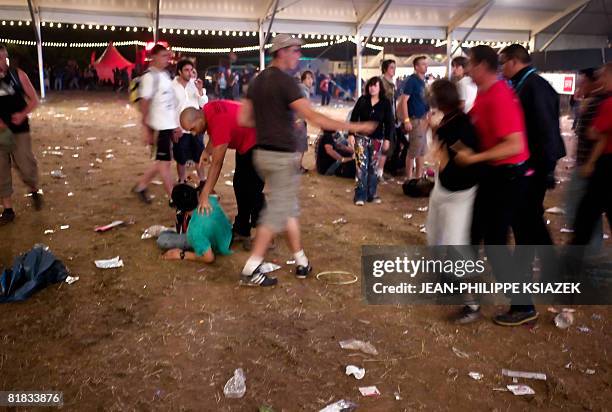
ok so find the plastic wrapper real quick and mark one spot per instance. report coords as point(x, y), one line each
point(236, 385)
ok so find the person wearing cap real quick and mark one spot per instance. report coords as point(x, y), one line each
point(199, 236)
point(273, 99)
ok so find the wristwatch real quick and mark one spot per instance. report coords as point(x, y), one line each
point(182, 255)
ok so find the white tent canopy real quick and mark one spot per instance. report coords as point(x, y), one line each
point(586, 23)
point(507, 20)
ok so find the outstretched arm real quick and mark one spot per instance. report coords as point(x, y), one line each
point(218, 156)
point(303, 108)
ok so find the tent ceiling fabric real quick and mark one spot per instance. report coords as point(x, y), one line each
point(506, 20)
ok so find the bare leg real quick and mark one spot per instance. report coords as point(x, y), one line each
point(147, 177)
point(409, 166)
point(180, 170)
point(165, 170)
point(420, 166)
point(293, 235)
point(263, 238)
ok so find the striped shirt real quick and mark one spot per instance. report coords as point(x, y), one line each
point(585, 119)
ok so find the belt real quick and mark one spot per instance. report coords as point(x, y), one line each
point(273, 148)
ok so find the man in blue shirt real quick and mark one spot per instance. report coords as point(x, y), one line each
point(413, 111)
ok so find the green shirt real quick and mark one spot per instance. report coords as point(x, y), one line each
point(210, 231)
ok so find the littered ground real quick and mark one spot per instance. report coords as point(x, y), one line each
point(159, 335)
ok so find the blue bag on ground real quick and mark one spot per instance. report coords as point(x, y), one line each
point(31, 272)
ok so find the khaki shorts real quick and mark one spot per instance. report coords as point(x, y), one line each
point(417, 141)
point(280, 171)
point(22, 159)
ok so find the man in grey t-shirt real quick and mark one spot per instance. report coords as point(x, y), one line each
point(272, 101)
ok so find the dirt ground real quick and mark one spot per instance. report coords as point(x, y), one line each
point(157, 335)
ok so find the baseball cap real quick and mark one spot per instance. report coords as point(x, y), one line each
point(282, 41)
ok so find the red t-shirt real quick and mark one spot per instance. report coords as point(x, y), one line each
point(222, 126)
point(497, 113)
point(603, 122)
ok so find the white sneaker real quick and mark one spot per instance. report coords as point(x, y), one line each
point(377, 200)
point(359, 203)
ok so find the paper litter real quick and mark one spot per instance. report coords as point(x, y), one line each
point(524, 375)
point(340, 406)
point(356, 371)
point(475, 375)
point(109, 226)
point(369, 391)
point(354, 344)
point(115, 262)
point(520, 390)
point(460, 353)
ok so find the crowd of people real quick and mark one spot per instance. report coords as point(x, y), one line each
point(496, 141)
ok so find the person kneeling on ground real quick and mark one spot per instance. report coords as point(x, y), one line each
point(199, 236)
point(334, 157)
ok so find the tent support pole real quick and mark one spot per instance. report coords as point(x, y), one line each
point(34, 14)
point(449, 53)
point(382, 13)
point(562, 29)
point(269, 32)
point(156, 28)
point(484, 12)
point(359, 63)
point(262, 43)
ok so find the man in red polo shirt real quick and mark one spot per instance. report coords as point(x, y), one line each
point(598, 196)
point(220, 119)
point(499, 121)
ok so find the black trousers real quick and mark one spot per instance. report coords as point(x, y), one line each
point(499, 200)
point(248, 188)
point(529, 225)
point(596, 200)
point(531, 234)
point(325, 98)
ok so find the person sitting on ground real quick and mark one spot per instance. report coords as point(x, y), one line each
point(199, 236)
point(334, 157)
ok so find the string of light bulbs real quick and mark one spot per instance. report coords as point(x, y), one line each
point(234, 33)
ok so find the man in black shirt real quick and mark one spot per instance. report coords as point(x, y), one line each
point(334, 158)
point(540, 103)
point(272, 100)
point(17, 99)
